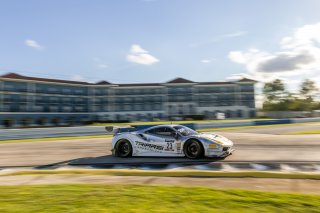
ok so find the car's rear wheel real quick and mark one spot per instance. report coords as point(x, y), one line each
point(123, 148)
point(193, 149)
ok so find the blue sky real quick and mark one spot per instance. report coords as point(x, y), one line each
point(125, 41)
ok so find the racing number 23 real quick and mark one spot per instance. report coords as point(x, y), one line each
point(169, 146)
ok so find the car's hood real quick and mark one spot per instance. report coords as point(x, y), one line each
point(216, 138)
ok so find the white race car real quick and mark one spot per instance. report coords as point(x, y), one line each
point(168, 141)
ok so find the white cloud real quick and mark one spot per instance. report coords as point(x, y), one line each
point(206, 61)
point(298, 55)
point(34, 44)
point(140, 56)
point(298, 58)
point(235, 34)
point(137, 49)
point(307, 35)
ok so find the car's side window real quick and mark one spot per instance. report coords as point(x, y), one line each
point(169, 131)
point(152, 131)
point(161, 131)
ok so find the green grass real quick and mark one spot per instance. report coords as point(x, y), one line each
point(138, 198)
point(256, 127)
point(305, 132)
point(54, 139)
point(166, 173)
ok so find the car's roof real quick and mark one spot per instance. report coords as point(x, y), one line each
point(161, 125)
point(167, 125)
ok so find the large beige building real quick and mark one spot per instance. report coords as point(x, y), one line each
point(35, 101)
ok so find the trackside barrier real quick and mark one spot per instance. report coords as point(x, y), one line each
point(222, 124)
point(254, 123)
point(272, 122)
point(302, 120)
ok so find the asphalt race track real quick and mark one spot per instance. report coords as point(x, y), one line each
point(250, 147)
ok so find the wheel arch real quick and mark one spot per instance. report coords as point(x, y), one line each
point(195, 139)
point(119, 139)
point(122, 139)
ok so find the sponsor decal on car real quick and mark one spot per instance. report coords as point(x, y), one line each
point(169, 147)
point(148, 146)
point(178, 146)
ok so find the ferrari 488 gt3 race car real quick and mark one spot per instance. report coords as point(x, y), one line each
point(168, 141)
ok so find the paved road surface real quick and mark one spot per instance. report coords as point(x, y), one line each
point(249, 147)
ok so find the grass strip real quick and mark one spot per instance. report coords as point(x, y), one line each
point(139, 198)
point(258, 127)
point(305, 132)
point(54, 138)
point(166, 173)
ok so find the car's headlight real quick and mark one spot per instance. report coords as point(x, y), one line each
point(213, 146)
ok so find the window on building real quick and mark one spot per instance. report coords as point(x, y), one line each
point(127, 107)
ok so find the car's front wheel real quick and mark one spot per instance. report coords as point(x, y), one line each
point(123, 148)
point(193, 149)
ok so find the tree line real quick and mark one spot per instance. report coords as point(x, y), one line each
point(278, 98)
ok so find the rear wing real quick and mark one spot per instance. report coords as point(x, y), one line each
point(139, 127)
point(117, 129)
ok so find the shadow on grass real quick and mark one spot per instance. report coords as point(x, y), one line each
point(109, 161)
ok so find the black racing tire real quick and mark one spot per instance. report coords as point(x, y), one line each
point(123, 148)
point(193, 149)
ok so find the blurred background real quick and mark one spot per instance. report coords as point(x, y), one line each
point(248, 70)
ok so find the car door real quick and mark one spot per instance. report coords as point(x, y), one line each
point(163, 139)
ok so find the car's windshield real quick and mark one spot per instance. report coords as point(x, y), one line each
point(185, 131)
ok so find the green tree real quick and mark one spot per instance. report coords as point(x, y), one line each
point(278, 99)
point(274, 91)
point(308, 89)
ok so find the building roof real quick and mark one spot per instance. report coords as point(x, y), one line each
point(179, 81)
point(174, 81)
point(242, 80)
point(22, 77)
point(246, 80)
point(215, 83)
point(139, 84)
point(103, 83)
